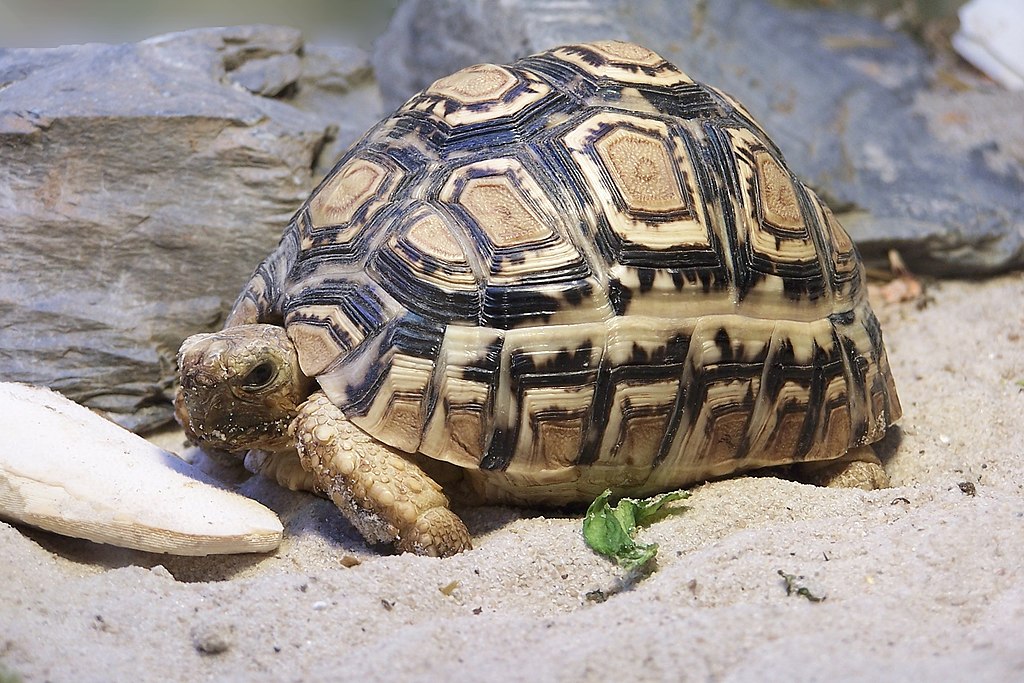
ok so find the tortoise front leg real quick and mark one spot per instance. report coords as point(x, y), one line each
point(384, 495)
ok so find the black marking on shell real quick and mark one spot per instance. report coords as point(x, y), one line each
point(508, 307)
point(410, 334)
point(420, 126)
point(646, 277)
point(578, 291)
point(395, 274)
point(724, 345)
point(720, 158)
point(410, 157)
point(600, 410)
point(873, 328)
point(529, 369)
point(485, 365)
point(820, 374)
point(357, 301)
point(734, 350)
point(706, 280)
point(666, 361)
point(858, 364)
point(266, 286)
point(596, 60)
point(688, 101)
point(561, 76)
point(564, 361)
point(499, 450)
point(803, 288)
point(843, 318)
point(620, 295)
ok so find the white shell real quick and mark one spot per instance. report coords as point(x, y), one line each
point(65, 469)
point(991, 37)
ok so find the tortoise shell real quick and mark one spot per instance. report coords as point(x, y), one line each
point(579, 271)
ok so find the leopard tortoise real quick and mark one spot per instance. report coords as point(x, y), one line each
point(534, 282)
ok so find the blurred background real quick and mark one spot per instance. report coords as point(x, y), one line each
point(45, 23)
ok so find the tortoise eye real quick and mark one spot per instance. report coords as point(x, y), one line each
point(259, 377)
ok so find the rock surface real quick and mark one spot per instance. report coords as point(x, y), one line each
point(835, 91)
point(133, 171)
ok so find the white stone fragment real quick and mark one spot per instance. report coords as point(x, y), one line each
point(991, 37)
point(67, 470)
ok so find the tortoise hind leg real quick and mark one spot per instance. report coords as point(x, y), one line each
point(859, 468)
point(384, 495)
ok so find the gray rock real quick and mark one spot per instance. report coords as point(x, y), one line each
point(835, 91)
point(337, 84)
point(140, 185)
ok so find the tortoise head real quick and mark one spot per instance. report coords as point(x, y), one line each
point(240, 388)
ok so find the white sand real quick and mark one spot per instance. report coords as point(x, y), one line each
point(923, 582)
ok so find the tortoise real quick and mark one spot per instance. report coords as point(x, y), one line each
point(531, 283)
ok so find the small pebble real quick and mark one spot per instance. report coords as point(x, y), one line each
point(211, 639)
point(320, 605)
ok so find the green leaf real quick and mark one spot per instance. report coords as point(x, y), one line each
point(609, 530)
point(653, 509)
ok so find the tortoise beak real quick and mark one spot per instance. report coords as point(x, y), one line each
point(199, 403)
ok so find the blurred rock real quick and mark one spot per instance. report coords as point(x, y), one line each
point(337, 85)
point(140, 185)
point(835, 91)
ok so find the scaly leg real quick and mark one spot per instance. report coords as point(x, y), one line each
point(284, 468)
point(860, 468)
point(384, 495)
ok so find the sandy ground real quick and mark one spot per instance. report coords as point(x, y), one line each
point(922, 581)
